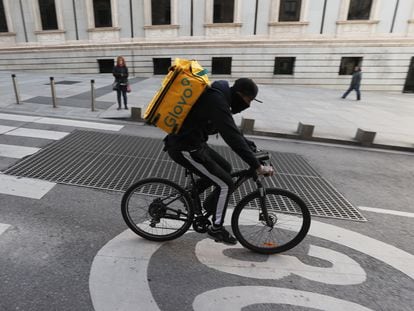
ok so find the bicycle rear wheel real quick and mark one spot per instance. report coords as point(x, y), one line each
point(288, 213)
point(157, 209)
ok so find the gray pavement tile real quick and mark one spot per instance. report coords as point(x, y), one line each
point(390, 114)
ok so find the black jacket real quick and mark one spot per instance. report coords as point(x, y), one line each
point(356, 79)
point(121, 74)
point(212, 113)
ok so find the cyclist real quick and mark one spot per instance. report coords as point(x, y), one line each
point(212, 114)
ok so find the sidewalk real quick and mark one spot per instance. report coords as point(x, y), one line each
point(390, 115)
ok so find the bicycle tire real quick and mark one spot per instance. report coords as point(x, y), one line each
point(291, 216)
point(166, 209)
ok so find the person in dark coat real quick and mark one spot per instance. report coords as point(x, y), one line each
point(120, 72)
point(212, 113)
point(355, 83)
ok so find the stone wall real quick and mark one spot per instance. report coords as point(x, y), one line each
point(318, 41)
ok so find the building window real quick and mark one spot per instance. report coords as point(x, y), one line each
point(106, 65)
point(284, 65)
point(3, 21)
point(221, 66)
point(409, 82)
point(102, 13)
point(161, 65)
point(161, 12)
point(223, 11)
point(348, 64)
point(48, 14)
point(289, 10)
point(359, 9)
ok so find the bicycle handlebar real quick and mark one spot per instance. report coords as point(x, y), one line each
point(262, 156)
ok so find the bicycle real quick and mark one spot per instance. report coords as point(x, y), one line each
point(267, 220)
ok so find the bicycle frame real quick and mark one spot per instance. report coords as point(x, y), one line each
point(175, 202)
point(242, 176)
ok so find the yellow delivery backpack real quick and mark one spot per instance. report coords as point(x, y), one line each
point(180, 89)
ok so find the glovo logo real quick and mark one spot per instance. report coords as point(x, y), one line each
point(179, 108)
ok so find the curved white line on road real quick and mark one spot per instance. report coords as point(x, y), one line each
point(344, 270)
point(118, 278)
point(391, 255)
point(238, 297)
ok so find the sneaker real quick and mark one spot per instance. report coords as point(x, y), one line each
point(221, 235)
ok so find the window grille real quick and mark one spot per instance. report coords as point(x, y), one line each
point(284, 65)
point(348, 64)
point(48, 14)
point(289, 10)
point(102, 13)
point(221, 65)
point(359, 9)
point(161, 12)
point(223, 11)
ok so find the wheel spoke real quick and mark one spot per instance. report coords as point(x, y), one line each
point(286, 211)
point(157, 209)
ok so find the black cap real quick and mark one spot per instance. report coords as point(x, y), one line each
point(247, 87)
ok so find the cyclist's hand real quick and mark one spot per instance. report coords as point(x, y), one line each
point(265, 170)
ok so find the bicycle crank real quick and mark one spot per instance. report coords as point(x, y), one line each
point(200, 224)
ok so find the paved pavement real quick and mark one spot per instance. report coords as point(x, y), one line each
point(67, 248)
point(389, 114)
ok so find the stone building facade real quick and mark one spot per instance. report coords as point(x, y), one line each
point(295, 42)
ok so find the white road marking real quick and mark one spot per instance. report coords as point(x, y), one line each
point(17, 152)
point(66, 122)
point(118, 278)
point(119, 281)
point(26, 132)
point(343, 271)
point(24, 187)
point(85, 124)
point(5, 129)
point(238, 297)
point(3, 227)
point(386, 211)
point(17, 117)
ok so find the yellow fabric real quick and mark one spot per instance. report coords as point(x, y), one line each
point(180, 89)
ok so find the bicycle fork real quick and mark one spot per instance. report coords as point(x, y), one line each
point(264, 215)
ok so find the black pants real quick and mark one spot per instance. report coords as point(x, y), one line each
point(356, 88)
point(207, 163)
point(122, 90)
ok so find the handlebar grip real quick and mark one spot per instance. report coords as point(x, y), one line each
point(262, 155)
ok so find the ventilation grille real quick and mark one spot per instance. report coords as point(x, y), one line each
point(115, 161)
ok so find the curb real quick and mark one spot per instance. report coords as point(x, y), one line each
point(329, 141)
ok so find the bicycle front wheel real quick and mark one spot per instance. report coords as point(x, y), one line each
point(157, 209)
point(290, 221)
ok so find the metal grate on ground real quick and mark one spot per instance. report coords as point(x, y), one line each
point(115, 161)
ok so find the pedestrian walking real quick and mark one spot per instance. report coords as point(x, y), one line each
point(120, 73)
point(355, 83)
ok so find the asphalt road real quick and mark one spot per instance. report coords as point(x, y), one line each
point(70, 250)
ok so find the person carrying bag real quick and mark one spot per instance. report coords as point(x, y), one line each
point(120, 72)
